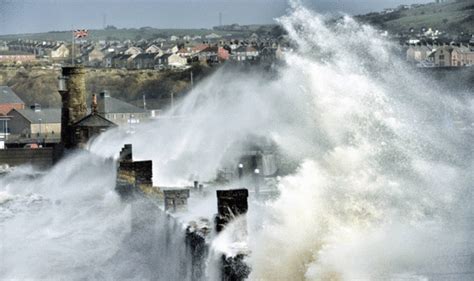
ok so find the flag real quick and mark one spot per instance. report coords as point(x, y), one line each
point(81, 33)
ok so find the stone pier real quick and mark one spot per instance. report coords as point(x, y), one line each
point(134, 184)
point(232, 204)
point(176, 200)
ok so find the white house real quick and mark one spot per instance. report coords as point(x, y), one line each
point(153, 49)
point(60, 52)
point(133, 51)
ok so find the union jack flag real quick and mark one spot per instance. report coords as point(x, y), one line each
point(81, 33)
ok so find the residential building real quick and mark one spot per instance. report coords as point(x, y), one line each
point(96, 56)
point(176, 61)
point(16, 57)
point(9, 100)
point(418, 53)
point(153, 49)
point(60, 52)
point(245, 53)
point(36, 122)
point(144, 61)
point(213, 54)
point(441, 56)
point(170, 49)
point(171, 61)
point(91, 125)
point(133, 51)
point(463, 56)
point(120, 112)
point(212, 36)
point(121, 61)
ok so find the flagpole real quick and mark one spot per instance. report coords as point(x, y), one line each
point(73, 47)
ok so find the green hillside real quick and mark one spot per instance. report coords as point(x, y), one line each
point(452, 17)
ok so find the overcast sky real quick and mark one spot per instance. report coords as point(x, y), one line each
point(28, 16)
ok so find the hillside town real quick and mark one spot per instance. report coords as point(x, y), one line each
point(159, 54)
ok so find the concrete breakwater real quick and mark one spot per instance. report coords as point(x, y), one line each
point(157, 228)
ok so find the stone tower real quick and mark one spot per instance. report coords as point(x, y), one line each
point(72, 88)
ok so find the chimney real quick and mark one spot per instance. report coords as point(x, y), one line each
point(36, 107)
point(72, 88)
point(94, 104)
point(101, 101)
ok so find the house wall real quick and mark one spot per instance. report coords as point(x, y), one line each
point(223, 54)
point(460, 58)
point(18, 124)
point(176, 60)
point(442, 57)
point(60, 53)
point(124, 119)
point(96, 55)
point(6, 107)
point(46, 129)
point(39, 157)
point(17, 58)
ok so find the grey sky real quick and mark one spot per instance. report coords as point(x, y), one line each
point(28, 16)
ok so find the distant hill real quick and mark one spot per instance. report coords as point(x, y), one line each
point(452, 17)
point(112, 33)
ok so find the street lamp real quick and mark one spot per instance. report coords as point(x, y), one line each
point(257, 184)
point(241, 170)
point(39, 120)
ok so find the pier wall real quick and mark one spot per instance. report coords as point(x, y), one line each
point(41, 158)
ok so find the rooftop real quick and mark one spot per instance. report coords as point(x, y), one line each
point(94, 120)
point(113, 105)
point(45, 115)
point(8, 96)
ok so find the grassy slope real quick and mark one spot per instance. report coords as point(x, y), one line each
point(452, 17)
point(37, 85)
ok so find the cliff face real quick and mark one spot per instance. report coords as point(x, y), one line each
point(37, 84)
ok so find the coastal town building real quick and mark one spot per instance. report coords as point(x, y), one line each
point(245, 53)
point(60, 52)
point(9, 100)
point(91, 125)
point(16, 57)
point(463, 56)
point(35, 122)
point(119, 112)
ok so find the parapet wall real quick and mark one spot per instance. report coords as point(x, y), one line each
point(42, 158)
point(134, 184)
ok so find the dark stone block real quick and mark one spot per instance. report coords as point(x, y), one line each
point(234, 268)
point(230, 204)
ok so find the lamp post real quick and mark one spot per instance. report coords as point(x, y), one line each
point(257, 183)
point(241, 170)
point(40, 121)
